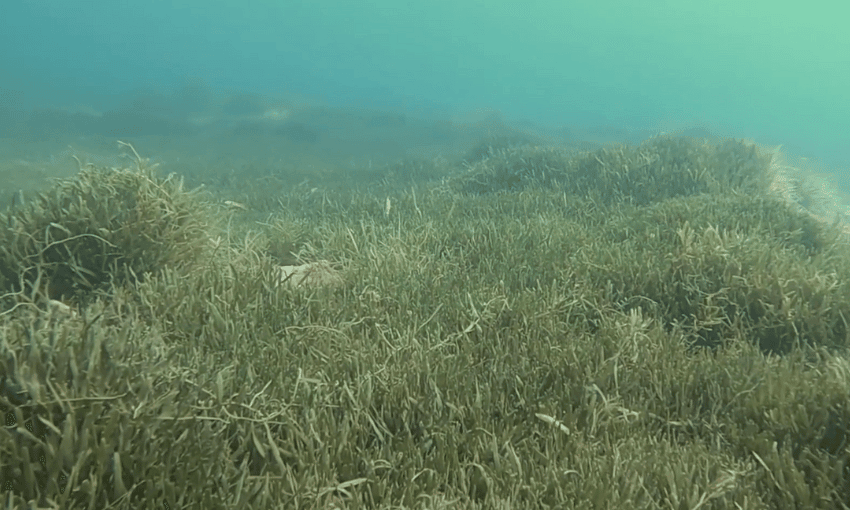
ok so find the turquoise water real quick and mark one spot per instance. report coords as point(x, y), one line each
point(777, 72)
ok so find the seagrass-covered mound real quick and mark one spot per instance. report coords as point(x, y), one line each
point(104, 225)
point(659, 168)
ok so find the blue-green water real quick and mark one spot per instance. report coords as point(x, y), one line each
point(777, 72)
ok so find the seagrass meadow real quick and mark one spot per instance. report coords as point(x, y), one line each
point(653, 326)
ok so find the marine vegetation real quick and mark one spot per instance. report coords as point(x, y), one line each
point(646, 326)
point(105, 226)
